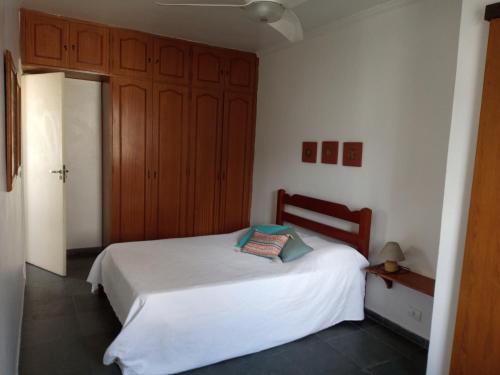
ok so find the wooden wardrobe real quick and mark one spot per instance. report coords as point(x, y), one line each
point(180, 146)
point(178, 124)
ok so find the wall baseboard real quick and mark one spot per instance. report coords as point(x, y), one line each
point(420, 341)
point(20, 329)
point(84, 252)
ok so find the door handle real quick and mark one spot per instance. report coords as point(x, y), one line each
point(62, 173)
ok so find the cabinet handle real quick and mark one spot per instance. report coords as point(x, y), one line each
point(157, 61)
point(149, 59)
point(154, 174)
point(65, 47)
point(73, 47)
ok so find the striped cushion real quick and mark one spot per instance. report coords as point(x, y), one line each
point(266, 245)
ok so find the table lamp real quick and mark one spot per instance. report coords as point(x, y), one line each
point(391, 254)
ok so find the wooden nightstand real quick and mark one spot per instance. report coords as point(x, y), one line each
point(404, 277)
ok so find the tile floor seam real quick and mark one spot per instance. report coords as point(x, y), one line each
point(394, 347)
point(344, 356)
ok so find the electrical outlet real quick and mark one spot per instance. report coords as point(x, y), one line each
point(416, 314)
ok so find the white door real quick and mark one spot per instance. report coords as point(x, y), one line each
point(42, 119)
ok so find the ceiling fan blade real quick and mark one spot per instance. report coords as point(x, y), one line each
point(289, 25)
point(200, 4)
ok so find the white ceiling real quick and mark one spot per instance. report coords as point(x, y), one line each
point(225, 27)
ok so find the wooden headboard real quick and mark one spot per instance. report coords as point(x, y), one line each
point(363, 217)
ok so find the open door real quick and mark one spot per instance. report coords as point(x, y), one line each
point(44, 171)
point(476, 348)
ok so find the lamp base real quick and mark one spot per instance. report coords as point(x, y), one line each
point(390, 266)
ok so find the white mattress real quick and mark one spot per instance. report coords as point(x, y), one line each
point(186, 303)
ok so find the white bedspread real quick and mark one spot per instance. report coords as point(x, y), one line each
point(186, 303)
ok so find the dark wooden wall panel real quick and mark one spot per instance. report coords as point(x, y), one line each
point(206, 122)
point(132, 120)
point(171, 116)
point(237, 150)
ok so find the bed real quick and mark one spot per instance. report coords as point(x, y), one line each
point(189, 302)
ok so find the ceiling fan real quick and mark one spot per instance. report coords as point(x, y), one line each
point(276, 13)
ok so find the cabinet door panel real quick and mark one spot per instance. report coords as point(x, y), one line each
point(206, 120)
point(132, 53)
point(172, 61)
point(89, 47)
point(237, 161)
point(171, 124)
point(131, 162)
point(46, 40)
point(240, 74)
point(208, 67)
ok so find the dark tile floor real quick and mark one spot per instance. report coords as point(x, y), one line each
point(66, 330)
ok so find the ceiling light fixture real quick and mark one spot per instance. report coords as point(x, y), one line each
point(265, 11)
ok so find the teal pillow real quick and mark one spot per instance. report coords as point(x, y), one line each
point(294, 248)
point(267, 229)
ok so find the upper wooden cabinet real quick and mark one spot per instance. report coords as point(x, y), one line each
point(208, 67)
point(172, 61)
point(240, 71)
point(62, 43)
point(46, 40)
point(58, 42)
point(131, 53)
point(219, 68)
point(89, 47)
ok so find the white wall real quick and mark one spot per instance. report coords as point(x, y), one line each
point(82, 145)
point(11, 216)
point(385, 78)
point(461, 151)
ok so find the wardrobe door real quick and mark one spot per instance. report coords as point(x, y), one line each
point(204, 150)
point(89, 47)
point(45, 40)
point(238, 133)
point(172, 61)
point(131, 159)
point(208, 67)
point(132, 53)
point(240, 71)
point(171, 125)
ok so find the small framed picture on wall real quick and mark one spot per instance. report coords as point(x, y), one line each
point(330, 152)
point(12, 121)
point(353, 154)
point(309, 152)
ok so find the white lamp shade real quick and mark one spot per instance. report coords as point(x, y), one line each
point(392, 252)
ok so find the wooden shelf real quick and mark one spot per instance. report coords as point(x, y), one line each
point(404, 277)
